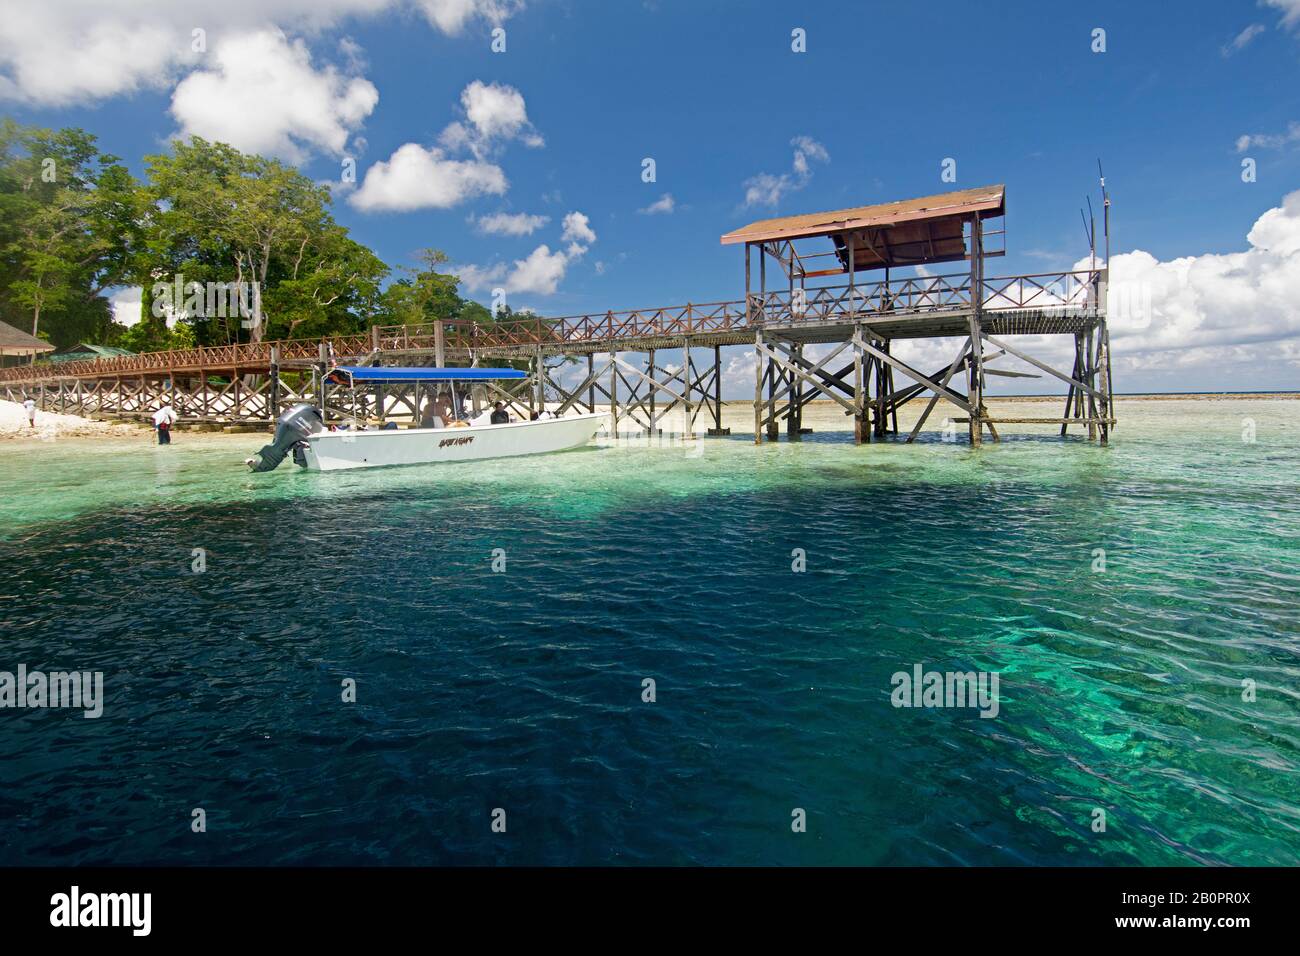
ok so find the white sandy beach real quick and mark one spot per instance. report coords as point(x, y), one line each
point(51, 425)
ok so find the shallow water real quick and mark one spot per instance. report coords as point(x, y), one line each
point(1120, 690)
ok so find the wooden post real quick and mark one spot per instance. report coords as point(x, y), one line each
point(758, 388)
point(1103, 373)
point(859, 399)
point(591, 389)
point(439, 344)
point(650, 370)
point(1108, 390)
point(975, 391)
point(882, 392)
point(322, 356)
point(537, 402)
point(792, 418)
point(749, 314)
point(717, 428)
point(686, 384)
point(613, 392)
point(1091, 381)
point(275, 382)
point(1069, 394)
point(773, 370)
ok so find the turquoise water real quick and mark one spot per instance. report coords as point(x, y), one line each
point(1120, 690)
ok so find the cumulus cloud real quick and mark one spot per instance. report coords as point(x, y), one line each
point(415, 177)
point(665, 204)
point(418, 178)
point(1196, 305)
point(509, 224)
point(542, 270)
point(766, 189)
point(262, 94)
point(577, 229)
point(494, 114)
point(450, 16)
point(59, 52)
point(1270, 140)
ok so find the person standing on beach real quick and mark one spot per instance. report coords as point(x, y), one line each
point(163, 419)
point(30, 407)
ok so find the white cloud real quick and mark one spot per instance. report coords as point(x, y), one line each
point(577, 228)
point(1242, 39)
point(1290, 11)
point(766, 189)
point(664, 204)
point(125, 304)
point(450, 16)
point(495, 114)
point(1270, 140)
point(476, 278)
point(509, 224)
point(58, 52)
point(418, 178)
point(262, 94)
point(539, 273)
point(1196, 304)
point(542, 270)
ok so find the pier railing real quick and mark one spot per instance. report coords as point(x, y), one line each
point(1047, 292)
point(1056, 291)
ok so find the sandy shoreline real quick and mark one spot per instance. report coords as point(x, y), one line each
point(14, 426)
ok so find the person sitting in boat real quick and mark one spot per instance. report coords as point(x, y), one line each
point(444, 408)
point(499, 414)
point(431, 418)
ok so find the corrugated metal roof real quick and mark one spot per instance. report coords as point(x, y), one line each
point(984, 199)
point(84, 350)
point(17, 342)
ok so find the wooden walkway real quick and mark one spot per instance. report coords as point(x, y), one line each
point(248, 382)
point(1049, 303)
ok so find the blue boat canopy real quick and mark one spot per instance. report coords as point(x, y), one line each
point(365, 373)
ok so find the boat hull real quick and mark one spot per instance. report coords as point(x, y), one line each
point(333, 451)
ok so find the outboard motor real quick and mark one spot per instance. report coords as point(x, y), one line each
point(291, 431)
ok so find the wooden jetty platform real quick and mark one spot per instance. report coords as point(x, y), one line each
point(832, 289)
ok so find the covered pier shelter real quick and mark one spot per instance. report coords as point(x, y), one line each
point(833, 281)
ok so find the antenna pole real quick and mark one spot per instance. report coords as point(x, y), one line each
point(1105, 211)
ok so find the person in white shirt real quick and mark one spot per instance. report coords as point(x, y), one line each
point(30, 406)
point(163, 419)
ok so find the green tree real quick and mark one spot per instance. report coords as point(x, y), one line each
point(69, 229)
point(222, 216)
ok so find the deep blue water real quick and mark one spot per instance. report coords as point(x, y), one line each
point(522, 690)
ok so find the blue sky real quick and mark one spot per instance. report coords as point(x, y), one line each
point(714, 94)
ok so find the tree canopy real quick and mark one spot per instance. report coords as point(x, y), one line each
point(76, 225)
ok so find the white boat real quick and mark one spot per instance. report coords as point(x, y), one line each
point(329, 451)
point(301, 431)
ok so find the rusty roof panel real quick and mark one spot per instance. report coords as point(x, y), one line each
point(986, 200)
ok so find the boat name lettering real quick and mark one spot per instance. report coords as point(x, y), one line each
point(464, 440)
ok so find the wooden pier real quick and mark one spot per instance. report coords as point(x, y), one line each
point(825, 330)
